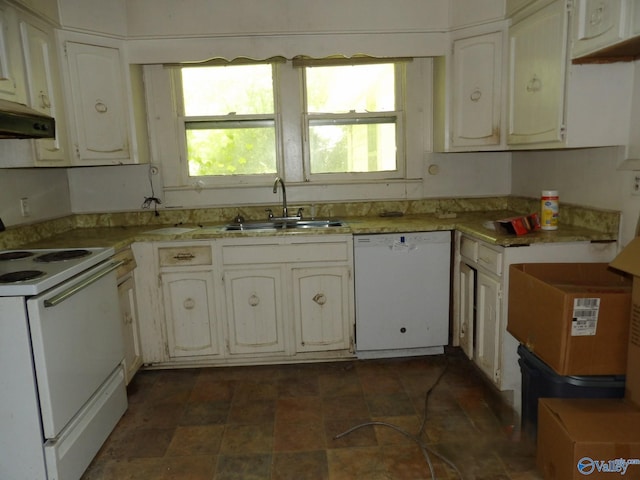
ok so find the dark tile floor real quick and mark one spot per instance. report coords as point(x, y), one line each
point(280, 422)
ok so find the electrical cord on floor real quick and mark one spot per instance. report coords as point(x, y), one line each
point(426, 451)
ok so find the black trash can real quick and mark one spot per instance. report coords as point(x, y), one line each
point(541, 381)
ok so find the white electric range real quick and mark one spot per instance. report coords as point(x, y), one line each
point(61, 358)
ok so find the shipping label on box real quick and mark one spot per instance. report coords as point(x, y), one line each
point(585, 316)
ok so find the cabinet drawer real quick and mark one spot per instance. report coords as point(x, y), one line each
point(128, 262)
point(490, 259)
point(187, 255)
point(469, 248)
point(297, 252)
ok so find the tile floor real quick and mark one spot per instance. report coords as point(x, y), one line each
point(280, 422)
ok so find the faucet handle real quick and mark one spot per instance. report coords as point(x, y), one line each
point(269, 212)
point(299, 214)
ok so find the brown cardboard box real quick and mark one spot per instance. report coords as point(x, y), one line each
point(629, 261)
point(588, 438)
point(573, 316)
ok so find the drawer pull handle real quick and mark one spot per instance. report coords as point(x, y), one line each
point(184, 256)
point(534, 85)
point(189, 304)
point(320, 298)
point(254, 300)
point(101, 107)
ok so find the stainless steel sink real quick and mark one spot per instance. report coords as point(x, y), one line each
point(282, 224)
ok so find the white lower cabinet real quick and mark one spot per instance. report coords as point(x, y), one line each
point(481, 301)
point(246, 300)
point(254, 304)
point(128, 312)
point(321, 308)
point(190, 313)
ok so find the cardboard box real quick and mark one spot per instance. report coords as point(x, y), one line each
point(573, 316)
point(629, 261)
point(588, 438)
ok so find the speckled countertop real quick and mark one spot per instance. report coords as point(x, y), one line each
point(470, 216)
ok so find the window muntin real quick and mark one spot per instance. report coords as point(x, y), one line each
point(229, 120)
point(352, 120)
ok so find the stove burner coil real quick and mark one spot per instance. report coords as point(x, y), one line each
point(15, 255)
point(20, 276)
point(61, 255)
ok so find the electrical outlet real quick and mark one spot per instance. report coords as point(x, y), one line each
point(25, 208)
point(635, 186)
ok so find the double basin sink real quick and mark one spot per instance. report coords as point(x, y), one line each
point(281, 224)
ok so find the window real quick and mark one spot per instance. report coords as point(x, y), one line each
point(346, 118)
point(229, 120)
point(351, 119)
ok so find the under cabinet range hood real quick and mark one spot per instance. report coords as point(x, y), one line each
point(19, 121)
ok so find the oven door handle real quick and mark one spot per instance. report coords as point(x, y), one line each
point(62, 296)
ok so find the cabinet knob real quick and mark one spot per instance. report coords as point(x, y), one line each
point(534, 85)
point(254, 300)
point(45, 102)
point(184, 256)
point(320, 298)
point(475, 95)
point(101, 107)
point(596, 16)
point(189, 304)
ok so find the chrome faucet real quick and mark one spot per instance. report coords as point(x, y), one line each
point(284, 195)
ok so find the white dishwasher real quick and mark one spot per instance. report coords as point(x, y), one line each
point(402, 284)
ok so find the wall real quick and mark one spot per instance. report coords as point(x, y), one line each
point(587, 177)
point(47, 190)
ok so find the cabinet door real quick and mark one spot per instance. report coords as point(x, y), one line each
point(130, 335)
point(254, 310)
point(466, 303)
point(190, 314)
point(101, 132)
point(487, 347)
point(477, 67)
point(321, 308)
point(44, 90)
point(537, 76)
point(12, 81)
point(596, 24)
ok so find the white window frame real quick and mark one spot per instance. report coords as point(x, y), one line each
point(226, 180)
point(398, 114)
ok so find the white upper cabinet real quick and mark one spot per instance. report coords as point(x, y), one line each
point(596, 24)
point(12, 82)
point(554, 104)
point(468, 90)
point(536, 76)
point(44, 89)
point(605, 30)
point(105, 130)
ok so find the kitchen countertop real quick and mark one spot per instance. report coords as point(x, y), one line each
point(471, 223)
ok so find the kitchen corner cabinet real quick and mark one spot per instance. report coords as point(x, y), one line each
point(468, 88)
point(605, 30)
point(44, 89)
point(107, 124)
point(481, 299)
point(552, 103)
